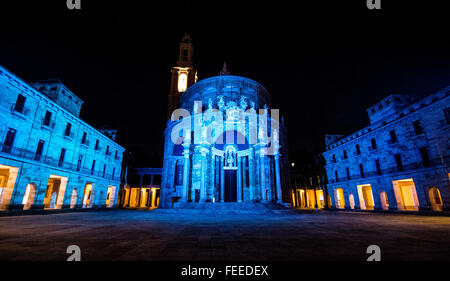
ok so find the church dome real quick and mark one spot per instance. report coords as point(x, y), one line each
point(225, 88)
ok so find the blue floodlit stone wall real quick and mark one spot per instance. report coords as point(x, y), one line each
point(44, 117)
point(405, 141)
point(198, 156)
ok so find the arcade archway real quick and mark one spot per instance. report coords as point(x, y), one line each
point(434, 196)
point(28, 198)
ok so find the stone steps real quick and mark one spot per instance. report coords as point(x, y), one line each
point(225, 208)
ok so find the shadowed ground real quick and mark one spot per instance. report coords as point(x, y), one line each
point(196, 235)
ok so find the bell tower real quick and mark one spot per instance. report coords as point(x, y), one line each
point(184, 74)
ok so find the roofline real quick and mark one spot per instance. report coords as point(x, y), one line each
point(445, 89)
point(65, 110)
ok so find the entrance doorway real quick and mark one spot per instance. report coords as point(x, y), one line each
point(54, 194)
point(339, 197)
point(351, 200)
point(8, 177)
point(87, 198)
point(230, 186)
point(319, 197)
point(384, 200)
point(29, 195)
point(365, 197)
point(311, 198)
point(435, 199)
point(406, 195)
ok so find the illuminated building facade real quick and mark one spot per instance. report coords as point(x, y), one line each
point(218, 148)
point(143, 189)
point(308, 178)
point(49, 157)
point(399, 162)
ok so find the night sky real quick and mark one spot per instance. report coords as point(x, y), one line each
point(323, 64)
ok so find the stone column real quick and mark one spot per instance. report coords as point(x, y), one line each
point(251, 177)
point(203, 175)
point(186, 176)
point(244, 175)
point(278, 179)
point(212, 179)
point(262, 176)
point(222, 181)
point(239, 180)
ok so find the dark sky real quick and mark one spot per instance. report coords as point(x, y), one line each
point(324, 62)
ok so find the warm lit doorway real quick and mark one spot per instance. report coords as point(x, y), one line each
point(110, 196)
point(365, 197)
point(8, 177)
point(29, 195)
point(434, 196)
point(311, 196)
point(320, 199)
point(54, 194)
point(406, 195)
point(145, 192)
point(351, 200)
point(384, 200)
point(339, 197)
point(87, 195)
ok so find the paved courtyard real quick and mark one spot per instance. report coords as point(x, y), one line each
point(155, 235)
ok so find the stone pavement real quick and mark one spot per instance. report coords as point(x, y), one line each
point(206, 236)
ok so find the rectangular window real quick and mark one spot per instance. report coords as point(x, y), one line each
point(334, 158)
point(68, 128)
point(61, 157)
point(39, 149)
point(47, 118)
point(336, 176)
point(115, 155)
point(393, 136)
point(20, 104)
point(96, 144)
point(377, 165)
point(398, 161)
point(361, 170)
point(425, 157)
point(93, 167)
point(107, 150)
point(114, 172)
point(348, 173)
point(104, 170)
point(84, 138)
point(417, 128)
point(358, 150)
point(345, 154)
point(80, 160)
point(374, 144)
point(447, 115)
point(9, 140)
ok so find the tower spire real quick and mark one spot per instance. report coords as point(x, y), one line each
point(224, 70)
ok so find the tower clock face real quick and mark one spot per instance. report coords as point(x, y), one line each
point(182, 82)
